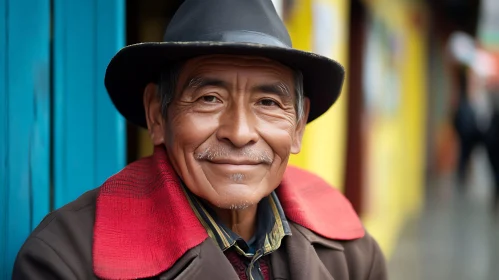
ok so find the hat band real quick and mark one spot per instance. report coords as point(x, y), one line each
point(240, 36)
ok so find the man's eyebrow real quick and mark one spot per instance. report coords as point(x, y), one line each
point(200, 82)
point(278, 88)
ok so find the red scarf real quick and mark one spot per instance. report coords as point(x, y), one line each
point(144, 222)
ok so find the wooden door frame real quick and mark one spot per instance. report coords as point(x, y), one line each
point(354, 177)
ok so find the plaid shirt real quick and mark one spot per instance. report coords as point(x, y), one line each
point(272, 226)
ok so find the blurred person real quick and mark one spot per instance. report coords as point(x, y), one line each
point(225, 99)
point(462, 50)
point(490, 81)
point(466, 126)
point(491, 140)
point(483, 87)
point(477, 115)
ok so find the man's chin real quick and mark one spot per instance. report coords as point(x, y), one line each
point(236, 197)
point(238, 205)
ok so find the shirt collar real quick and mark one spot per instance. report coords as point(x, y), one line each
point(272, 226)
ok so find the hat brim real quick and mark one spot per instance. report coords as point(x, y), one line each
point(133, 67)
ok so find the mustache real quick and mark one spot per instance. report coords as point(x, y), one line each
point(222, 152)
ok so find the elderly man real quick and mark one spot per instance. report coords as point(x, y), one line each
point(225, 100)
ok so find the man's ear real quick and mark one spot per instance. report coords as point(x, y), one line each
point(300, 127)
point(154, 116)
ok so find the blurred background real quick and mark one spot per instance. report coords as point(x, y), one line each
point(412, 142)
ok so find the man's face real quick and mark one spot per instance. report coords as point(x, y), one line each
point(231, 127)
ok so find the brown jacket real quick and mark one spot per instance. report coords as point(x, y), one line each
point(139, 224)
point(60, 248)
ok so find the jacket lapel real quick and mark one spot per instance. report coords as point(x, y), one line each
point(205, 261)
point(311, 202)
point(297, 258)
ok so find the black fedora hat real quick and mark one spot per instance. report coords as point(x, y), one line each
point(204, 27)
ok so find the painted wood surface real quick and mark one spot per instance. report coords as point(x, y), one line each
point(89, 134)
point(3, 136)
point(59, 132)
point(25, 122)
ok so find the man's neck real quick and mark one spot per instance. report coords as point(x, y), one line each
point(242, 222)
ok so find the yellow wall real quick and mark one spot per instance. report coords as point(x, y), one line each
point(395, 142)
point(395, 164)
point(323, 150)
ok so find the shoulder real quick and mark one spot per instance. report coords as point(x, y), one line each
point(61, 244)
point(74, 219)
point(367, 256)
point(82, 208)
point(360, 258)
point(311, 202)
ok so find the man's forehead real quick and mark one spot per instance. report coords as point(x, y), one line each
point(270, 75)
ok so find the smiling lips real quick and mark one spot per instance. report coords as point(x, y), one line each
point(235, 161)
point(234, 165)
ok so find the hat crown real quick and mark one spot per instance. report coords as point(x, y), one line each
point(235, 21)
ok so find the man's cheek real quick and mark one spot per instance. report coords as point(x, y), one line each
point(280, 144)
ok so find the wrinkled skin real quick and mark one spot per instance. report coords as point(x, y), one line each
point(230, 127)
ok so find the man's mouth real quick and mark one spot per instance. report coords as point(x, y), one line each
point(234, 161)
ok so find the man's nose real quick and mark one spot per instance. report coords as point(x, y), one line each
point(237, 126)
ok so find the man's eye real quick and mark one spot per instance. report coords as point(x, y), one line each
point(210, 99)
point(268, 102)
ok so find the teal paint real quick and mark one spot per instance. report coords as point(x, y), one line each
point(25, 121)
point(110, 125)
point(66, 140)
point(89, 134)
point(3, 138)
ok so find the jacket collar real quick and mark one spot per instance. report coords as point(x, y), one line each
point(300, 260)
point(207, 261)
point(144, 222)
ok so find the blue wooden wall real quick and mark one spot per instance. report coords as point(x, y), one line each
point(3, 135)
point(89, 134)
point(59, 133)
point(25, 122)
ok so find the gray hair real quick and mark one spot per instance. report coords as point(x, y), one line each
point(169, 78)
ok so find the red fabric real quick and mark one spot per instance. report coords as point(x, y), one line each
point(312, 203)
point(237, 262)
point(144, 222)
